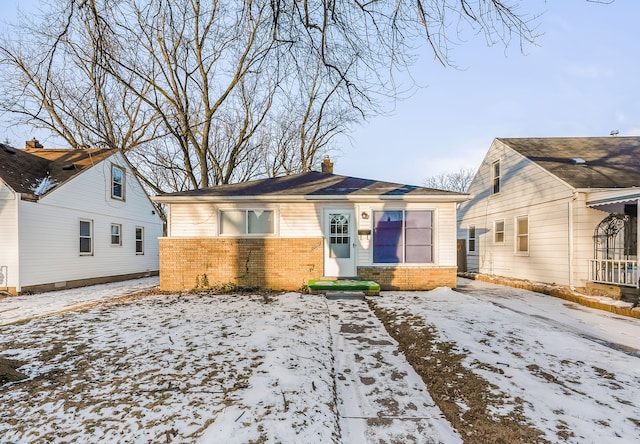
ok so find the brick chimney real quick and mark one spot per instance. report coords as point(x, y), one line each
point(33, 143)
point(327, 165)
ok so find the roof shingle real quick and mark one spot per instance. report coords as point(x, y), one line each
point(611, 162)
point(23, 169)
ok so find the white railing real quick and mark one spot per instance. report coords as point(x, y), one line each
point(615, 272)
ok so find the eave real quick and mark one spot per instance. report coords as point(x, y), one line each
point(454, 198)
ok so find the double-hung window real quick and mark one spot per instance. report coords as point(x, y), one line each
point(139, 240)
point(402, 236)
point(498, 231)
point(472, 238)
point(86, 237)
point(242, 222)
point(522, 234)
point(495, 177)
point(116, 234)
point(117, 182)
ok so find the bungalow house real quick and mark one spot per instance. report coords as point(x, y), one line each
point(72, 217)
point(281, 232)
point(556, 210)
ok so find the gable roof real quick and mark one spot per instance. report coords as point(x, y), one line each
point(312, 185)
point(610, 162)
point(22, 169)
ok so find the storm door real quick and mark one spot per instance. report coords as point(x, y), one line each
point(339, 257)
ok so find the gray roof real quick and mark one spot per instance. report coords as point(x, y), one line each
point(22, 168)
point(610, 162)
point(316, 184)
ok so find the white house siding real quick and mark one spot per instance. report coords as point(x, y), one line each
point(305, 219)
point(49, 229)
point(526, 190)
point(585, 221)
point(8, 238)
point(192, 220)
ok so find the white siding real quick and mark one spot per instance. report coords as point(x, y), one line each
point(305, 219)
point(49, 229)
point(192, 220)
point(526, 189)
point(9, 271)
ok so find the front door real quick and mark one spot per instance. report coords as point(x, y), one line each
point(339, 256)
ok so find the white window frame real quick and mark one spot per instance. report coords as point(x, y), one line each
point(90, 237)
point(519, 236)
point(119, 235)
point(139, 240)
point(114, 168)
point(496, 231)
point(496, 179)
point(246, 222)
point(471, 229)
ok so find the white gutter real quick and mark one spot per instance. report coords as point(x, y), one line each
point(570, 246)
point(302, 198)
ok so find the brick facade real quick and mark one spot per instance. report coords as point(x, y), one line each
point(410, 278)
point(274, 263)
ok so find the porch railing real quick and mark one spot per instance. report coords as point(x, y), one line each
point(614, 271)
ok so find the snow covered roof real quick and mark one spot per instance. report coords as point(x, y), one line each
point(33, 172)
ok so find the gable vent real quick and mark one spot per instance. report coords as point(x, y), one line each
point(578, 161)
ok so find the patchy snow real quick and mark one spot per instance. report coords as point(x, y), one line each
point(43, 185)
point(20, 308)
point(560, 361)
point(297, 368)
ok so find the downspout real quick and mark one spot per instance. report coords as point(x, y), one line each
point(570, 222)
point(18, 198)
point(637, 244)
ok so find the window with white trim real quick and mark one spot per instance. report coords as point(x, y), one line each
point(243, 222)
point(86, 237)
point(498, 231)
point(522, 234)
point(139, 240)
point(402, 236)
point(495, 177)
point(116, 234)
point(117, 182)
point(472, 238)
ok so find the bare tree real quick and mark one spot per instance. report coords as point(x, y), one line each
point(218, 91)
point(455, 181)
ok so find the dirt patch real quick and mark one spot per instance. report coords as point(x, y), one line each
point(8, 372)
point(353, 328)
point(467, 400)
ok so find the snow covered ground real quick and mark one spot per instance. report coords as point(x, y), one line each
point(19, 308)
point(297, 368)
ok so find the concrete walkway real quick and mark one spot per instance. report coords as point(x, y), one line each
point(380, 395)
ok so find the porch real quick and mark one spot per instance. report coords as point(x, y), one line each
point(614, 272)
point(615, 239)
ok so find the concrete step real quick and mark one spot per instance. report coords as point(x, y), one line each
point(350, 295)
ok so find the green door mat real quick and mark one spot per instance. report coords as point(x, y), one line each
point(343, 285)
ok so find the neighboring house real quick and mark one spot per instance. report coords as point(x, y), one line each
point(281, 232)
point(72, 217)
point(556, 210)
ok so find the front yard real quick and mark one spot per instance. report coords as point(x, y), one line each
point(240, 368)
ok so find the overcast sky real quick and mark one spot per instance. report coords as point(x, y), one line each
point(582, 79)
